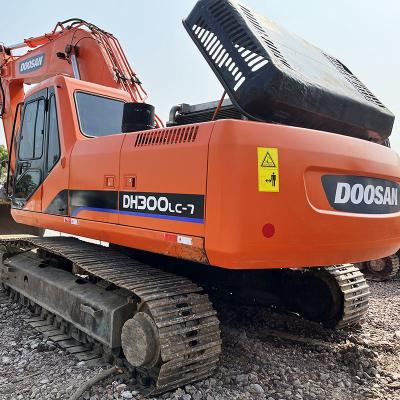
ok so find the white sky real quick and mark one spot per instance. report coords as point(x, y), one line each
point(363, 34)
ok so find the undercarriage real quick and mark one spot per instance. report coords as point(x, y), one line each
point(98, 302)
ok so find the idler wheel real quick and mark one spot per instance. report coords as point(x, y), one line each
point(140, 341)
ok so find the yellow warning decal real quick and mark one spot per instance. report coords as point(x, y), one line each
point(268, 169)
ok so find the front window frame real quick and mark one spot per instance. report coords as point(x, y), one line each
point(52, 97)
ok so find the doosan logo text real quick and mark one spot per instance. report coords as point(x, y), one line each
point(369, 194)
point(362, 194)
point(31, 64)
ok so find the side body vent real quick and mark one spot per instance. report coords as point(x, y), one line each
point(167, 136)
point(272, 75)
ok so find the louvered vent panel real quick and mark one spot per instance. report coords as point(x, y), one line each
point(220, 55)
point(167, 136)
point(354, 80)
point(258, 27)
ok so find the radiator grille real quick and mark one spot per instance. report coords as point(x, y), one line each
point(230, 112)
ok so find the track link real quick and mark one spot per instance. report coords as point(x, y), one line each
point(185, 320)
point(355, 291)
point(57, 331)
point(336, 296)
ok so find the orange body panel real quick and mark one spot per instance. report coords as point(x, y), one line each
point(95, 166)
point(217, 160)
point(167, 168)
point(308, 231)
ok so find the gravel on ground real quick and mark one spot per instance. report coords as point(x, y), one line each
point(266, 355)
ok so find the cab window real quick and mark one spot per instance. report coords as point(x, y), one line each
point(27, 184)
point(53, 147)
point(32, 131)
point(98, 115)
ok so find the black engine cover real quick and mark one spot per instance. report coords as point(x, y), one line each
point(274, 76)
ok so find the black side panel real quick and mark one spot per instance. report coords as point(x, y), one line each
point(272, 75)
point(93, 199)
point(59, 205)
point(178, 205)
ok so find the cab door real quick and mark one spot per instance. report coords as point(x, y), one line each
point(55, 185)
point(30, 154)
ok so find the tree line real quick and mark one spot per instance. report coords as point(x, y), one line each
point(3, 157)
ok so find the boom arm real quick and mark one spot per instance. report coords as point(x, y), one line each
point(74, 48)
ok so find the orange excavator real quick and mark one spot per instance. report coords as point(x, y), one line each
point(270, 193)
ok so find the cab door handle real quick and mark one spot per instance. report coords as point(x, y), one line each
point(24, 166)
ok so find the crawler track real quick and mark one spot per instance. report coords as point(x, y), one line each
point(186, 322)
point(382, 269)
point(355, 292)
point(188, 337)
point(336, 296)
